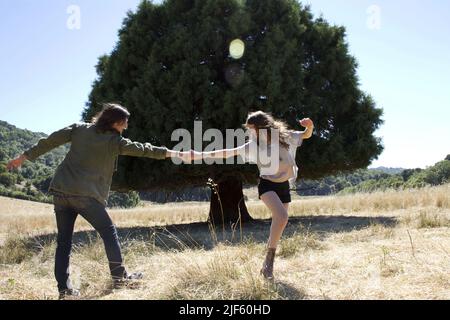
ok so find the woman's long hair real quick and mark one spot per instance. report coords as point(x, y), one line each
point(112, 113)
point(263, 120)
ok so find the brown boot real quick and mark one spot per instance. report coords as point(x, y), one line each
point(267, 269)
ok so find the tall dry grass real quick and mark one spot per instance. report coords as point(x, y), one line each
point(385, 245)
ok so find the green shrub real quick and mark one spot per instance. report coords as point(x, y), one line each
point(7, 179)
point(123, 200)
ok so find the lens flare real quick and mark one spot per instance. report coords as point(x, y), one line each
point(237, 49)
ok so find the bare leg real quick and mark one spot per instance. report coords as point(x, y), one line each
point(279, 222)
point(279, 217)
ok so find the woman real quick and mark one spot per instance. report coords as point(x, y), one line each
point(274, 186)
point(82, 182)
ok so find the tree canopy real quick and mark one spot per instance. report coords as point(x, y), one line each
point(171, 66)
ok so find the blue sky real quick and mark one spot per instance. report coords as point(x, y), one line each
point(47, 69)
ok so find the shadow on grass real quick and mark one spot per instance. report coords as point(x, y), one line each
point(288, 291)
point(200, 235)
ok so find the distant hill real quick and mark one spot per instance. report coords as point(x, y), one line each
point(32, 180)
point(435, 175)
point(14, 141)
point(377, 179)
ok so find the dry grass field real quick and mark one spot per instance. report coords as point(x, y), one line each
point(386, 245)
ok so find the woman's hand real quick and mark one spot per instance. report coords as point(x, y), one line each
point(307, 123)
point(16, 163)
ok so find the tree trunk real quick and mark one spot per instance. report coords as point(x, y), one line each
point(227, 202)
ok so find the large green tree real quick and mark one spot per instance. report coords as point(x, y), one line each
point(171, 66)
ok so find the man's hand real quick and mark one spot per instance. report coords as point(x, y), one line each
point(16, 163)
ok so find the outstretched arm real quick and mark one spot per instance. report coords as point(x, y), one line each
point(44, 145)
point(147, 150)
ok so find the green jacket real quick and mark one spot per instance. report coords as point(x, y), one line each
point(88, 167)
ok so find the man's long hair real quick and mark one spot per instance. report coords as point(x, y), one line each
point(112, 113)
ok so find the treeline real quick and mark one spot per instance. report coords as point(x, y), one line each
point(379, 179)
point(407, 179)
point(31, 182)
point(335, 184)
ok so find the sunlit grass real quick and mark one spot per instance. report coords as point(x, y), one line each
point(386, 245)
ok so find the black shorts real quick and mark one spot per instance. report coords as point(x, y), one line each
point(281, 189)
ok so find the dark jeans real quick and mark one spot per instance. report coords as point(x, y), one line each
point(67, 209)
